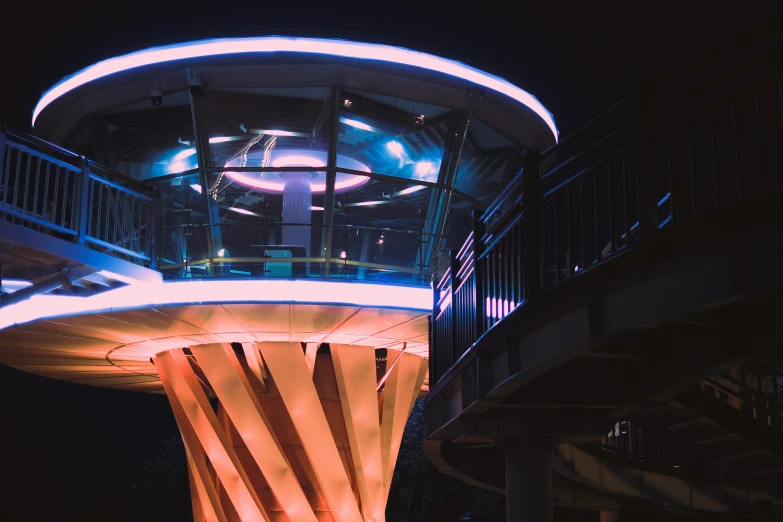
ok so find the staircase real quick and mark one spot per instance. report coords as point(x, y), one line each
point(732, 420)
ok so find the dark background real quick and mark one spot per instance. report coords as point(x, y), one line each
point(72, 452)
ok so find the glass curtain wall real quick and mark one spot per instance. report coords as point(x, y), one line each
point(258, 207)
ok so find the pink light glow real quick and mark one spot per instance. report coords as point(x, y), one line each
point(297, 158)
point(276, 44)
point(141, 295)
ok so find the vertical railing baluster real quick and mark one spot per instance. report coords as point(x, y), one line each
point(47, 170)
point(83, 201)
point(16, 178)
point(735, 143)
point(37, 184)
point(624, 192)
point(5, 154)
point(532, 222)
point(596, 227)
point(479, 271)
point(55, 210)
point(454, 263)
point(66, 176)
point(569, 243)
point(555, 234)
point(691, 178)
point(26, 182)
point(582, 221)
point(610, 201)
point(758, 141)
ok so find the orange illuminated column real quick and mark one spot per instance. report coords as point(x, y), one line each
point(295, 436)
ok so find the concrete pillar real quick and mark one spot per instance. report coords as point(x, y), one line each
point(528, 479)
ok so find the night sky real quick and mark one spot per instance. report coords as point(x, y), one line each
point(71, 452)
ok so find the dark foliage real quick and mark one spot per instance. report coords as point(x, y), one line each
point(418, 493)
point(163, 494)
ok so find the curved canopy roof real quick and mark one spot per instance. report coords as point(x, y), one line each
point(232, 62)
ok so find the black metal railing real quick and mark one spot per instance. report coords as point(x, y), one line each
point(636, 445)
point(755, 389)
point(602, 192)
point(49, 189)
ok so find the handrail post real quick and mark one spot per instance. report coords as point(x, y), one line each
point(83, 204)
point(3, 173)
point(434, 344)
point(155, 227)
point(478, 270)
point(531, 226)
point(642, 147)
point(454, 264)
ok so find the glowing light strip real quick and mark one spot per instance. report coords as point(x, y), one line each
point(276, 44)
point(215, 291)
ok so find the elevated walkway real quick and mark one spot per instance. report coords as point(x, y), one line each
point(67, 225)
point(622, 268)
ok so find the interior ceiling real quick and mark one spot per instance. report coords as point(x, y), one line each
point(143, 133)
point(113, 349)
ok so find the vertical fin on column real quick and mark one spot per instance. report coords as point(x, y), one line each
point(236, 396)
point(254, 362)
point(204, 492)
point(184, 388)
point(355, 372)
point(399, 393)
point(288, 367)
point(310, 352)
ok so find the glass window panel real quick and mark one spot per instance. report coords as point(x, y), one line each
point(285, 122)
point(391, 136)
point(377, 230)
point(489, 161)
point(147, 141)
point(184, 233)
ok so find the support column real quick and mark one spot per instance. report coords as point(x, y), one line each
point(295, 437)
point(297, 199)
point(528, 478)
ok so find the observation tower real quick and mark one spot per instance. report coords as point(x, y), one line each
point(252, 227)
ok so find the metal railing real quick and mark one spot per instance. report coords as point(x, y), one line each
point(601, 193)
point(754, 389)
point(639, 446)
point(49, 189)
point(254, 248)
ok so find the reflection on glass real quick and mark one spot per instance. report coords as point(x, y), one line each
point(380, 223)
point(392, 136)
point(489, 161)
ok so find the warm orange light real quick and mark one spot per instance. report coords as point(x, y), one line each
point(296, 435)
